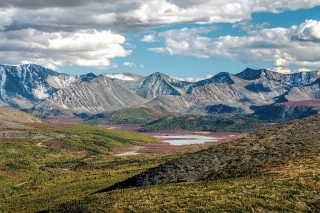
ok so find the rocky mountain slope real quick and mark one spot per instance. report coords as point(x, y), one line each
point(26, 85)
point(50, 93)
point(149, 87)
point(249, 155)
point(159, 84)
point(242, 91)
point(98, 95)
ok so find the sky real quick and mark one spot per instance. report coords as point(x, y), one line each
point(187, 39)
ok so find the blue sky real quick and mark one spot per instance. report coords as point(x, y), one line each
point(188, 39)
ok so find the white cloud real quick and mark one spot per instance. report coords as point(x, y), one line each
point(185, 42)
point(282, 70)
point(83, 48)
point(279, 45)
point(304, 70)
point(74, 32)
point(177, 78)
point(148, 38)
point(307, 31)
point(129, 64)
point(135, 15)
point(52, 67)
point(6, 17)
point(248, 27)
point(129, 45)
point(195, 79)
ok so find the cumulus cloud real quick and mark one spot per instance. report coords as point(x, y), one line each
point(185, 41)
point(6, 18)
point(282, 70)
point(58, 31)
point(129, 64)
point(191, 79)
point(304, 70)
point(278, 45)
point(248, 27)
point(148, 38)
point(83, 48)
point(307, 31)
point(52, 67)
point(135, 15)
point(180, 79)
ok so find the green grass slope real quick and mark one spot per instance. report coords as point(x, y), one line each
point(273, 170)
point(204, 123)
point(45, 165)
point(135, 115)
point(14, 119)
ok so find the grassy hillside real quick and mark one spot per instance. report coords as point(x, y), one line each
point(44, 165)
point(204, 123)
point(134, 115)
point(290, 188)
point(273, 170)
point(14, 119)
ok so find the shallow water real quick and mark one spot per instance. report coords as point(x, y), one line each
point(178, 140)
point(128, 153)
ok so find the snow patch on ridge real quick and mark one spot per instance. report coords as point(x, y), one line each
point(40, 92)
point(2, 83)
point(62, 82)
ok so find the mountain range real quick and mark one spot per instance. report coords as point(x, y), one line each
point(45, 92)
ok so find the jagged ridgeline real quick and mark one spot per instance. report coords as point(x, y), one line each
point(27, 85)
point(47, 93)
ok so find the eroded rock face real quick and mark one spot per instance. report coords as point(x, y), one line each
point(244, 90)
point(51, 93)
point(98, 95)
point(26, 85)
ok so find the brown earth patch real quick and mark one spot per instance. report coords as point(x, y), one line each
point(51, 144)
point(311, 102)
point(11, 174)
point(122, 127)
point(64, 120)
point(10, 130)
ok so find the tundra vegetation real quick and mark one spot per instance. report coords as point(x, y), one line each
point(236, 123)
point(134, 115)
point(59, 169)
